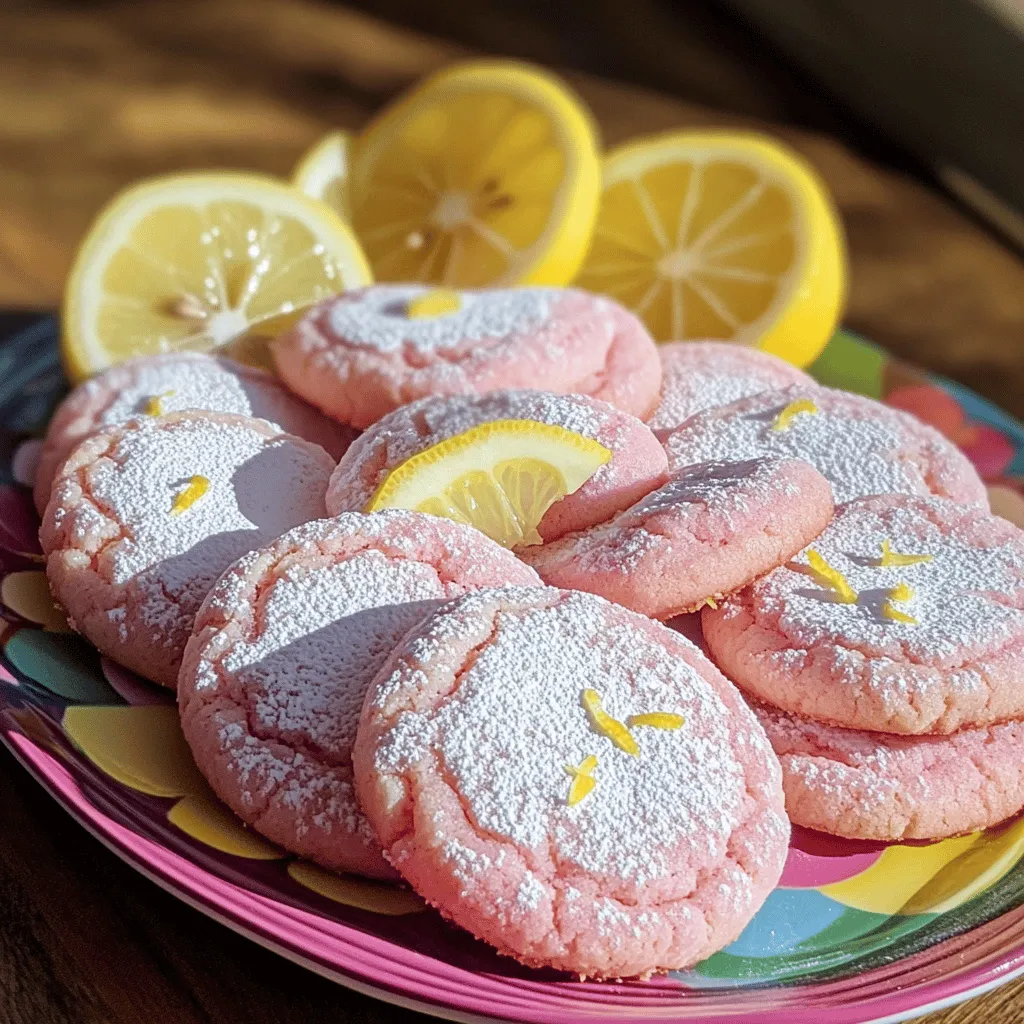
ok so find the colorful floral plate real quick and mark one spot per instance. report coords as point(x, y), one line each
point(855, 932)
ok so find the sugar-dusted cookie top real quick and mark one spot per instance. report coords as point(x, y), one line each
point(572, 782)
point(861, 446)
point(364, 353)
point(378, 318)
point(147, 514)
point(906, 615)
point(709, 530)
point(155, 385)
point(699, 375)
point(285, 645)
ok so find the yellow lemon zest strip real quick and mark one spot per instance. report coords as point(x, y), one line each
point(196, 488)
point(437, 302)
point(786, 417)
point(657, 720)
point(608, 726)
point(711, 603)
point(890, 611)
point(890, 557)
point(583, 780)
point(155, 405)
point(832, 578)
point(901, 592)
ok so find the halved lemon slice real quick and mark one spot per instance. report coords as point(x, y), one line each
point(720, 235)
point(500, 477)
point(322, 173)
point(194, 261)
point(487, 174)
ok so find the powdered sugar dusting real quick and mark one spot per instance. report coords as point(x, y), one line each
point(188, 382)
point(832, 757)
point(860, 446)
point(259, 486)
point(320, 797)
point(376, 318)
point(968, 600)
point(467, 863)
point(878, 785)
point(728, 489)
point(326, 632)
point(290, 638)
point(704, 375)
point(184, 381)
point(516, 719)
point(530, 892)
point(704, 391)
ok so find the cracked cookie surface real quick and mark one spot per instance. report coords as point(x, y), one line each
point(699, 375)
point(906, 616)
point(870, 785)
point(711, 529)
point(471, 746)
point(859, 445)
point(285, 645)
point(145, 516)
point(175, 382)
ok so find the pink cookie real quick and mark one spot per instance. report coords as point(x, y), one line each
point(710, 530)
point(360, 355)
point(868, 785)
point(509, 806)
point(638, 462)
point(861, 446)
point(284, 647)
point(699, 375)
point(145, 515)
point(184, 380)
point(928, 647)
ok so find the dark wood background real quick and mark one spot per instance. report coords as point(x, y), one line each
point(95, 95)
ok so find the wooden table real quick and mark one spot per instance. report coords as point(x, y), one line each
point(93, 98)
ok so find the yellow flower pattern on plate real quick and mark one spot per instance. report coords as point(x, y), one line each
point(28, 594)
point(143, 748)
point(378, 897)
point(934, 878)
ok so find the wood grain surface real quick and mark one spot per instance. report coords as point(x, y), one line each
point(94, 96)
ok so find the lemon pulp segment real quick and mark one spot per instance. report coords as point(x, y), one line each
point(720, 235)
point(487, 174)
point(195, 261)
point(500, 477)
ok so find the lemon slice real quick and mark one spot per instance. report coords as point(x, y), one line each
point(487, 174)
point(500, 477)
point(322, 173)
point(720, 235)
point(193, 261)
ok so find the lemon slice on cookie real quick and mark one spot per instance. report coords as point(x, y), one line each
point(500, 477)
point(720, 235)
point(195, 261)
point(486, 174)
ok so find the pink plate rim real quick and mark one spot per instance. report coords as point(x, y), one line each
point(404, 977)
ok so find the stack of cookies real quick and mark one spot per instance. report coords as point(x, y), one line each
point(888, 660)
point(512, 730)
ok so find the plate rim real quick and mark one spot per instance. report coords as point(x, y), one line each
point(994, 974)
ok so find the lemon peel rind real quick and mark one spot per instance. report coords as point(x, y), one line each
point(397, 478)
